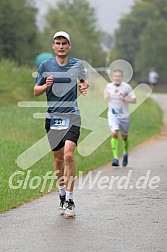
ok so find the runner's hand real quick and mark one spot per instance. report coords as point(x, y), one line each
point(49, 81)
point(120, 96)
point(83, 87)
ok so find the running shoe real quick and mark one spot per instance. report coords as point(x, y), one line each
point(115, 162)
point(69, 207)
point(125, 160)
point(61, 207)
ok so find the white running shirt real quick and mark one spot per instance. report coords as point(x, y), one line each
point(116, 106)
point(153, 77)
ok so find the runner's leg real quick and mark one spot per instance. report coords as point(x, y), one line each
point(59, 166)
point(125, 144)
point(69, 150)
point(124, 127)
point(114, 126)
point(59, 170)
point(114, 143)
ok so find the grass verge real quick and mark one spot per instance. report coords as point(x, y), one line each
point(18, 131)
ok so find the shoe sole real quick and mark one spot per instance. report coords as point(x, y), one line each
point(70, 216)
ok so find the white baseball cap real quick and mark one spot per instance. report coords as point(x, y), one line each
point(62, 34)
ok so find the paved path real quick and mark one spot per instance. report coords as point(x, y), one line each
point(110, 220)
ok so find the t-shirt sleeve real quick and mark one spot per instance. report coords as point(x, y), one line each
point(131, 93)
point(40, 80)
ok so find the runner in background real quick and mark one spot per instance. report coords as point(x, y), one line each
point(153, 77)
point(119, 94)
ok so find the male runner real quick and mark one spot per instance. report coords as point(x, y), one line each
point(119, 94)
point(58, 78)
point(153, 77)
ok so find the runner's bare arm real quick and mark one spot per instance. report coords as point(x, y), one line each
point(130, 100)
point(39, 90)
point(106, 95)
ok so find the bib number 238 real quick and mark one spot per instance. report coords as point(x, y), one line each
point(59, 123)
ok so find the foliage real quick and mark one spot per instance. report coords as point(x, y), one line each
point(18, 31)
point(141, 37)
point(79, 20)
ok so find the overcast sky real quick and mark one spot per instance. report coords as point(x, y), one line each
point(108, 11)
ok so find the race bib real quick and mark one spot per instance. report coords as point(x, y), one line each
point(58, 123)
point(117, 111)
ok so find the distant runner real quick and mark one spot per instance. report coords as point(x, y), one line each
point(119, 94)
point(153, 77)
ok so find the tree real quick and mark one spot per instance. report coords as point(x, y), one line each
point(142, 35)
point(153, 51)
point(18, 31)
point(78, 19)
point(131, 27)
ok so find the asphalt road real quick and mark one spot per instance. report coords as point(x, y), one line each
point(110, 219)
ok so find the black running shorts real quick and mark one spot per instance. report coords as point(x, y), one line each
point(57, 138)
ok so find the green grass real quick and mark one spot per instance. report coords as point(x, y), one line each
point(18, 131)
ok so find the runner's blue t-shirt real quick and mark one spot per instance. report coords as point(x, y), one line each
point(62, 95)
